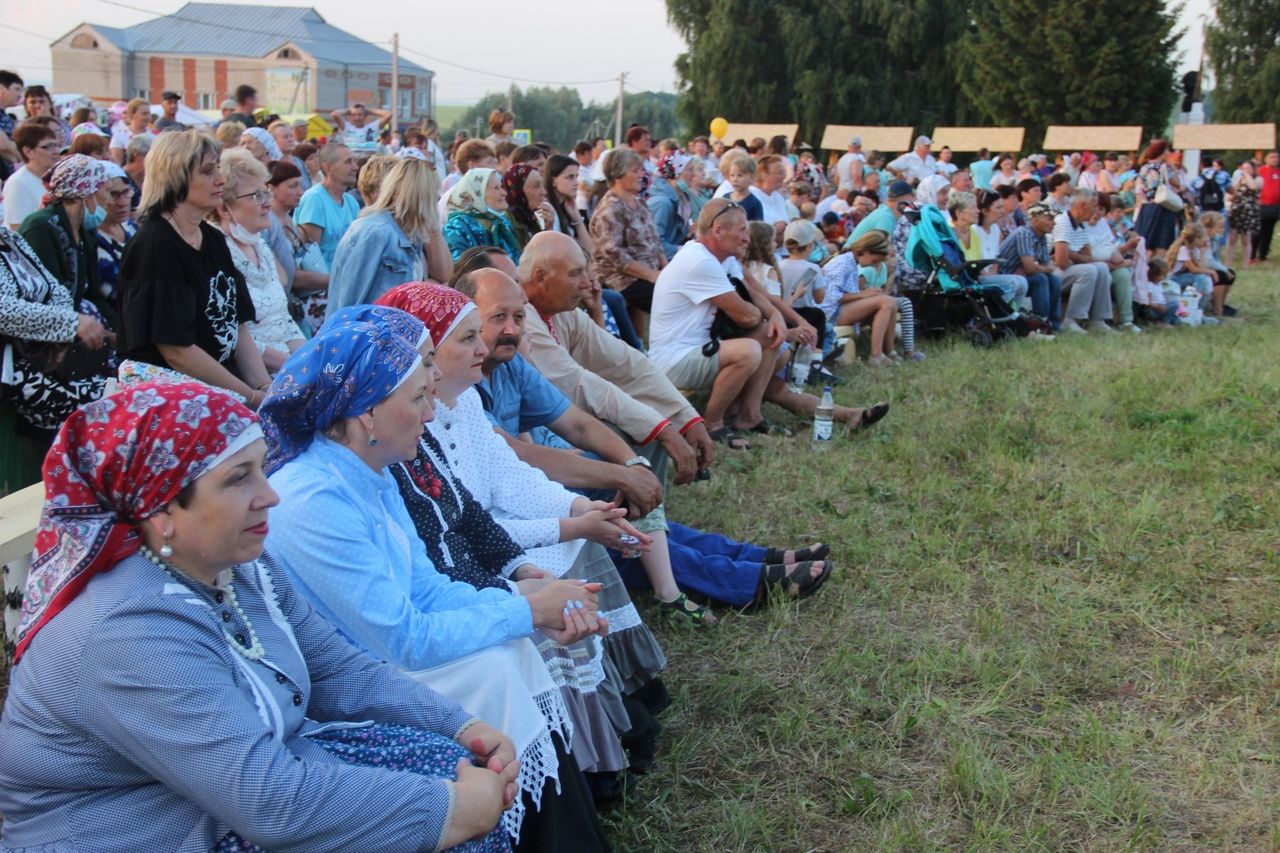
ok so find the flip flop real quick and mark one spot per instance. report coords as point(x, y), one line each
point(765, 427)
point(730, 438)
point(872, 415)
point(808, 552)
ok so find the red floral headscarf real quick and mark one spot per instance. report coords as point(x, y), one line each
point(439, 307)
point(115, 463)
point(517, 202)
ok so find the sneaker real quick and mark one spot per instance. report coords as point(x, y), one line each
point(819, 375)
point(1210, 321)
point(1071, 327)
point(1228, 311)
point(1101, 327)
point(1131, 328)
point(914, 355)
point(1037, 335)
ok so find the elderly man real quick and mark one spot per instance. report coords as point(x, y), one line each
point(326, 211)
point(884, 217)
point(600, 373)
point(282, 133)
point(1086, 282)
point(1025, 252)
point(915, 165)
point(519, 400)
point(686, 296)
point(850, 165)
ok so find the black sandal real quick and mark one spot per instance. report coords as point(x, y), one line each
point(730, 438)
point(808, 552)
point(872, 415)
point(776, 575)
point(683, 610)
point(766, 427)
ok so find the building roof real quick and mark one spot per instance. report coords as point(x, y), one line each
point(232, 29)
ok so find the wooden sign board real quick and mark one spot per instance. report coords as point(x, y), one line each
point(747, 132)
point(1062, 137)
point(1225, 137)
point(994, 139)
point(887, 140)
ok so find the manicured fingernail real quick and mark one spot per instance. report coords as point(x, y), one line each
point(577, 605)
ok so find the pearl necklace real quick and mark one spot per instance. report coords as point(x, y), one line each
point(255, 650)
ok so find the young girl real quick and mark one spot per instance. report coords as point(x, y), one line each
point(742, 176)
point(1158, 299)
point(762, 263)
point(854, 295)
point(1188, 266)
point(1214, 225)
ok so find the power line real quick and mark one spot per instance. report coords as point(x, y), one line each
point(25, 32)
point(289, 36)
point(502, 76)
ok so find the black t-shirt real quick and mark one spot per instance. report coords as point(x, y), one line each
point(172, 294)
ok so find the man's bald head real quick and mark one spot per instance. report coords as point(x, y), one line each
point(553, 271)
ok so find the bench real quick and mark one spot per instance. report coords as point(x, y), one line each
point(19, 518)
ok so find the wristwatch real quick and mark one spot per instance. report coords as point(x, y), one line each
point(637, 460)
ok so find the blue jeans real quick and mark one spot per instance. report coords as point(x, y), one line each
point(1012, 287)
point(714, 565)
point(1201, 282)
point(616, 304)
point(1045, 290)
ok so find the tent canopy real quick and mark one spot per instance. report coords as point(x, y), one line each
point(186, 115)
point(1225, 137)
point(874, 138)
point(994, 139)
point(1062, 137)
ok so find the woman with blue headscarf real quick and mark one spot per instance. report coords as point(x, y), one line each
point(349, 403)
point(477, 210)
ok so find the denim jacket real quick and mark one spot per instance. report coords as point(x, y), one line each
point(664, 202)
point(374, 256)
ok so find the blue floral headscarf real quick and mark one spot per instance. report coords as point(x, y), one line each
point(361, 356)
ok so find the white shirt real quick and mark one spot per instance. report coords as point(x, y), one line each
point(912, 166)
point(774, 204)
point(437, 156)
point(682, 311)
point(947, 169)
point(22, 194)
point(792, 271)
point(844, 169)
point(831, 204)
point(121, 135)
point(1064, 231)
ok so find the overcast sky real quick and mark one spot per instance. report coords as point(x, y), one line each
point(560, 41)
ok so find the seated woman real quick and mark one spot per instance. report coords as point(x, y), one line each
point(303, 263)
point(244, 216)
point(183, 304)
point(980, 240)
point(855, 294)
point(476, 206)
point(1189, 266)
point(395, 239)
point(114, 233)
point(628, 253)
point(186, 695)
point(527, 207)
point(670, 204)
point(346, 406)
point(1117, 251)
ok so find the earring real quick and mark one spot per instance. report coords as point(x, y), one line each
point(165, 551)
point(373, 439)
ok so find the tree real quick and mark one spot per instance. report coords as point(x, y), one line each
point(1033, 63)
point(1243, 44)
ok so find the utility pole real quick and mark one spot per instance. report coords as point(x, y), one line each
point(511, 97)
point(395, 82)
point(617, 136)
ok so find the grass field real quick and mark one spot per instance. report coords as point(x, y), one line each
point(1053, 624)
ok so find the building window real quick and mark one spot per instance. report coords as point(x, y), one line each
point(286, 53)
point(406, 103)
point(142, 93)
point(84, 41)
point(422, 101)
point(205, 100)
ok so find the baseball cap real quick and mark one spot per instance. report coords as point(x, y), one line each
point(229, 104)
point(923, 140)
point(898, 189)
point(300, 122)
point(171, 96)
point(1041, 209)
point(802, 232)
point(857, 140)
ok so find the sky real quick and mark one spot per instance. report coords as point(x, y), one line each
point(582, 43)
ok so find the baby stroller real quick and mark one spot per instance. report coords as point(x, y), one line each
point(953, 297)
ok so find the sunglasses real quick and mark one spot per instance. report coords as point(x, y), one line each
point(732, 205)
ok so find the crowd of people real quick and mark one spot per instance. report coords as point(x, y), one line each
point(355, 450)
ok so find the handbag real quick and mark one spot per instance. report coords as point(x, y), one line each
point(1167, 198)
point(311, 259)
point(723, 326)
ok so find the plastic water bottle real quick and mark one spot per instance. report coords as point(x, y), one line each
point(800, 370)
point(823, 420)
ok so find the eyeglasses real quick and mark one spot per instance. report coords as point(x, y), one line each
point(50, 146)
point(116, 195)
point(262, 196)
point(732, 205)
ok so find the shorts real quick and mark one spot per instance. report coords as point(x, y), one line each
point(694, 372)
point(639, 294)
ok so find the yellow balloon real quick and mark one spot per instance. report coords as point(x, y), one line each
point(719, 127)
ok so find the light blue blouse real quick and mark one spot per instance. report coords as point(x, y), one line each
point(343, 534)
point(131, 724)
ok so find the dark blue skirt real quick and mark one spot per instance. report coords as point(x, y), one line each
point(1158, 226)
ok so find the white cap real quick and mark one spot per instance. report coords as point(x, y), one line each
point(923, 140)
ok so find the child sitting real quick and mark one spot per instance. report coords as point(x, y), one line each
point(1188, 267)
point(854, 294)
point(1215, 224)
point(1157, 301)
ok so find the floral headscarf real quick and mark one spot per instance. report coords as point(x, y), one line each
point(78, 176)
point(467, 195)
point(356, 361)
point(513, 184)
point(441, 308)
point(267, 141)
point(671, 165)
point(115, 463)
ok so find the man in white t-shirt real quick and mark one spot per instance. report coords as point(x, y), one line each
point(1086, 282)
point(771, 177)
point(849, 166)
point(686, 296)
point(915, 165)
point(944, 165)
point(24, 189)
point(361, 127)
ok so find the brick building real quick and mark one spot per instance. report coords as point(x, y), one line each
point(296, 61)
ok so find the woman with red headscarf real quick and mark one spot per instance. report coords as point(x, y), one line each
point(171, 691)
point(527, 205)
